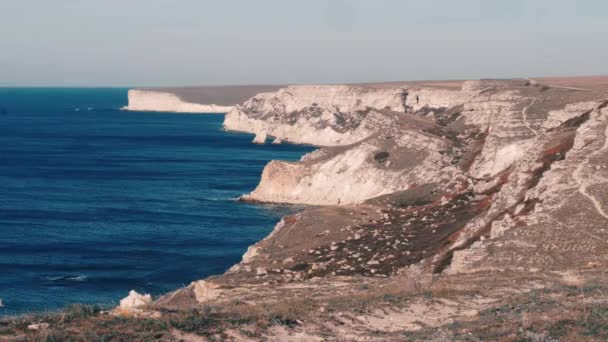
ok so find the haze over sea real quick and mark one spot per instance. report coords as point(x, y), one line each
point(95, 201)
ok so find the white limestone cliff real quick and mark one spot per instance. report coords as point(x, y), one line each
point(260, 138)
point(319, 115)
point(357, 173)
point(156, 101)
point(555, 189)
point(367, 121)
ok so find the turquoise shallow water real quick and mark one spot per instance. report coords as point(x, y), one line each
point(95, 201)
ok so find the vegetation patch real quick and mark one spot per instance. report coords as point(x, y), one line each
point(381, 156)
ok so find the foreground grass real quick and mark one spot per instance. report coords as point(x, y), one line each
point(90, 323)
point(567, 313)
point(559, 313)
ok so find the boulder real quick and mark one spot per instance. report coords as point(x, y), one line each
point(38, 326)
point(204, 290)
point(260, 138)
point(135, 301)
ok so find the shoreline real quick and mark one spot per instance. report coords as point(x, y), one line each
point(171, 128)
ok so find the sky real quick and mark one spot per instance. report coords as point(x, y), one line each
point(199, 42)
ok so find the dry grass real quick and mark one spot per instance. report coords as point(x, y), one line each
point(560, 313)
point(89, 323)
point(557, 312)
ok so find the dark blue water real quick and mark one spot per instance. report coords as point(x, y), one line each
point(95, 201)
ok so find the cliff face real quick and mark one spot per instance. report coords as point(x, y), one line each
point(472, 166)
point(316, 115)
point(155, 101)
point(551, 211)
point(398, 156)
point(392, 139)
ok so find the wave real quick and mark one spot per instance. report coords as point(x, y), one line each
point(65, 278)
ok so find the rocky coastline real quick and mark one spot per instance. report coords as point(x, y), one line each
point(478, 192)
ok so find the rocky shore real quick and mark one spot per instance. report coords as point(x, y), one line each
point(434, 204)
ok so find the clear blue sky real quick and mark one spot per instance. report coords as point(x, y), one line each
point(188, 42)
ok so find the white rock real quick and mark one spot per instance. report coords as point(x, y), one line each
point(260, 138)
point(204, 290)
point(38, 326)
point(557, 117)
point(250, 254)
point(261, 271)
point(360, 176)
point(135, 300)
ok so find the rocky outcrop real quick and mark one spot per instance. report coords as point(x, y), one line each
point(260, 138)
point(134, 304)
point(316, 115)
point(551, 211)
point(135, 300)
point(156, 101)
point(398, 158)
point(332, 115)
point(391, 139)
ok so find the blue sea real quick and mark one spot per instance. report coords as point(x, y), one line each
point(95, 201)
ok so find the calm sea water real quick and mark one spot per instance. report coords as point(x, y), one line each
point(95, 201)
